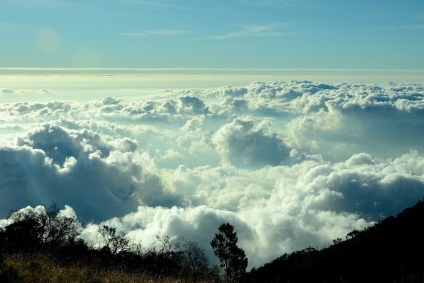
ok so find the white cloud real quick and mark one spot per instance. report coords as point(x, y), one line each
point(245, 144)
point(281, 209)
point(291, 164)
point(99, 179)
point(254, 31)
point(192, 104)
point(133, 34)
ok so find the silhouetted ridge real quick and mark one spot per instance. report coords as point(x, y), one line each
point(389, 251)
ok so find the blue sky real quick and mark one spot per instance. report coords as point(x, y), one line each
point(212, 34)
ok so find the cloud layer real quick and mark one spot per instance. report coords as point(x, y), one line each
point(290, 164)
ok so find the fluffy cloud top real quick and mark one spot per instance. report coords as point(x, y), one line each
point(244, 144)
point(99, 179)
point(290, 164)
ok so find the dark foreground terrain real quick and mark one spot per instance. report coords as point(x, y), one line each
point(46, 248)
point(390, 251)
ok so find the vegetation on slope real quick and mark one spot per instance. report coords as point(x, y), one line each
point(44, 247)
point(389, 251)
point(41, 269)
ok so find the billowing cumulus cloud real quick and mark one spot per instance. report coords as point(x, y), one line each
point(193, 104)
point(310, 204)
point(243, 143)
point(290, 164)
point(97, 178)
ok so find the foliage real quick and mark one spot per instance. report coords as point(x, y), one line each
point(41, 269)
point(232, 259)
point(115, 243)
point(31, 228)
point(389, 251)
point(190, 257)
point(42, 245)
point(195, 260)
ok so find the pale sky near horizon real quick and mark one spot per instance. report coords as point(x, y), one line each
point(321, 34)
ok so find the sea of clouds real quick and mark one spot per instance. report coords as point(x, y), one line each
point(290, 164)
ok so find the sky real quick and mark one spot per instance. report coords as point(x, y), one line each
point(295, 121)
point(281, 34)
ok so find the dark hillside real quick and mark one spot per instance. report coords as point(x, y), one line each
point(390, 251)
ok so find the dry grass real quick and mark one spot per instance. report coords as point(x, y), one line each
point(39, 269)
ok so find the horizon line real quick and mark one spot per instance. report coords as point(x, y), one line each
point(204, 69)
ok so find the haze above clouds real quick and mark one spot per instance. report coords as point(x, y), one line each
point(291, 164)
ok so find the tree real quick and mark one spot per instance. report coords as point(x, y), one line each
point(233, 260)
point(352, 234)
point(195, 260)
point(22, 235)
point(169, 246)
point(31, 227)
point(114, 242)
